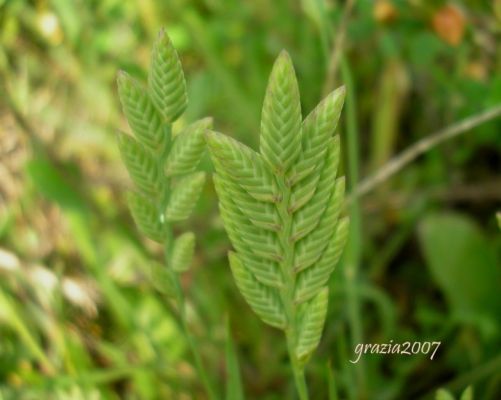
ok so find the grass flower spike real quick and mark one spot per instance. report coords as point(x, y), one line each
point(163, 169)
point(281, 210)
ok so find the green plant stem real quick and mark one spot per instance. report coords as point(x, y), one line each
point(352, 258)
point(181, 301)
point(331, 383)
point(192, 343)
point(297, 368)
point(400, 161)
point(337, 48)
point(25, 334)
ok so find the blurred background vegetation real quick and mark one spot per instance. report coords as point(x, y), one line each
point(80, 317)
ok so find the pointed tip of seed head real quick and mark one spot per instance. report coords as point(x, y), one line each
point(161, 33)
point(284, 53)
point(121, 76)
point(283, 60)
point(207, 122)
point(163, 38)
point(211, 138)
point(339, 93)
point(334, 99)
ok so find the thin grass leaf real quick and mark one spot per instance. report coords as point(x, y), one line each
point(141, 164)
point(312, 325)
point(187, 149)
point(184, 197)
point(467, 394)
point(331, 382)
point(234, 388)
point(141, 114)
point(166, 82)
point(146, 216)
point(443, 394)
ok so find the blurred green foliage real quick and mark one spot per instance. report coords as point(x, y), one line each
point(80, 315)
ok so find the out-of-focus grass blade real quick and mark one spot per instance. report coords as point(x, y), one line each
point(467, 394)
point(14, 317)
point(69, 17)
point(391, 95)
point(55, 187)
point(443, 394)
point(316, 11)
point(51, 184)
point(234, 389)
point(331, 383)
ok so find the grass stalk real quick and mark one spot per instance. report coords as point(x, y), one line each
point(181, 303)
point(297, 368)
point(352, 254)
point(193, 345)
point(400, 161)
point(25, 334)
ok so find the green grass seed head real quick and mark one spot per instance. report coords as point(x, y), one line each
point(163, 169)
point(281, 209)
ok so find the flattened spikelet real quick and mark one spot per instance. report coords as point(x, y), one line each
point(166, 79)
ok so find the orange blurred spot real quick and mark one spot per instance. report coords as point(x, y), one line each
point(449, 24)
point(384, 11)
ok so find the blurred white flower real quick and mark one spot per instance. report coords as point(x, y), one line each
point(9, 261)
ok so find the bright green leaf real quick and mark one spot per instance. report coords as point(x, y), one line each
point(234, 388)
